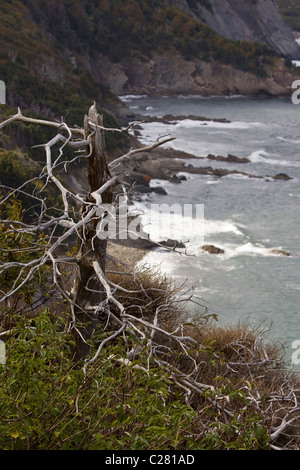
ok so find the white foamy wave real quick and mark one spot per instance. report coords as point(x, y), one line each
point(261, 156)
point(237, 176)
point(212, 227)
point(217, 97)
point(190, 123)
point(214, 181)
point(184, 223)
point(250, 249)
point(152, 131)
point(290, 141)
point(126, 98)
point(162, 221)
point(191, 97)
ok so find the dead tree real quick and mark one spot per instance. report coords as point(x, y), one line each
point(92, 296)
point(87, 288)
point(88, 296)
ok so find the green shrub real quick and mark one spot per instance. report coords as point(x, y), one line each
point(47, 403)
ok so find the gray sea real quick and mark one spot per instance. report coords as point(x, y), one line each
point(246, 217)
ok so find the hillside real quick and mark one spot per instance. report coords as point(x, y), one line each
point(255, 21)
point(56, 57)
point(290, 12)
point(96, 351)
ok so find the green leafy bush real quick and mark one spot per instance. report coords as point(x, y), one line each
point(47, 403)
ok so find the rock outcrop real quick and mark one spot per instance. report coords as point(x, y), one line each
point(280, 252)
point(230, 158)
point(162, 75)
point(213, 249)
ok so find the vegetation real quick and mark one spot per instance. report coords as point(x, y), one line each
point(290, 11)
point(47, 62)
point(236, 395)
point(47, 402)
point(116, 30)
point(149, 385)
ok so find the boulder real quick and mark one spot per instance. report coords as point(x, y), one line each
point(230, 158)
point(172, 243)
point(212, 249)
point(280, 252)
point(281, 176)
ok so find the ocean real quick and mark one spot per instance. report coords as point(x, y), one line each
point(246, 217)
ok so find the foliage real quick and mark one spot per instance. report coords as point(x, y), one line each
point(290, 11)
point(19, 247)
point(119, 30)
point(43, 60)
point(48, 404)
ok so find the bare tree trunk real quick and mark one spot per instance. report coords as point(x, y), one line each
point(91, 294)
point(87, 287)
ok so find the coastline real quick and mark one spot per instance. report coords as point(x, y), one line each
point(174, 166)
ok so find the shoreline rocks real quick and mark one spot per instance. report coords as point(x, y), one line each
point(212, 249)
point(230, 158)
point(281, 176)
point(171, 119)
point(280, 252)
point(167, 164)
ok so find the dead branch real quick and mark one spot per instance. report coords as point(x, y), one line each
point(94, 300)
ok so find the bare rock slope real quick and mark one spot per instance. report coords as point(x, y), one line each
point(253, 20)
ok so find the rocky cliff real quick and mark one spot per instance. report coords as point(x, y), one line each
point(254, 20)
point(57, 57)
point(163, 74)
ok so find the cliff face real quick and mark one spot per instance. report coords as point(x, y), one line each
point(253, 20)
point(163, 75)
point(57, 57)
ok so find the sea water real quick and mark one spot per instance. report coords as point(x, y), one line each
point(247, 217)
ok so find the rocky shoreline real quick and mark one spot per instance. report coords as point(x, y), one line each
point(170, 164)
point(167, 164)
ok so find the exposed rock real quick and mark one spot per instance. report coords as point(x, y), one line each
point(153, 169)
point(281, 176)
point(230, 158)
point(140, 183)
point(167, 164)
point(212, 249)
point(159, 190)
point(170, 118)
point(280, 252)
point(172, 243)
point(177, 179)
point(163, 75)
point(139, 243)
